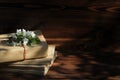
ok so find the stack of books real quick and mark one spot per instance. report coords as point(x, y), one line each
point(38, 59)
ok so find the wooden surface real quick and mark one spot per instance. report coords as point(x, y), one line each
point(85, 32)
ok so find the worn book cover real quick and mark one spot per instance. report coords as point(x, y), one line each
point(33, 66)
point(11, 53)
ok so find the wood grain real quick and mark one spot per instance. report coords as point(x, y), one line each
point(80, 29)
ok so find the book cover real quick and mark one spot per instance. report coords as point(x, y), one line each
point(11, 53)
point(34, 66)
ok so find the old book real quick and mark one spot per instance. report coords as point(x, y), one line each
point(40, 61)
point(38, 69)
point(11, 53)
point(32, 69)
point(34, 66)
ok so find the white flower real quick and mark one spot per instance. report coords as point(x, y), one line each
point(18, 32)
point(22, 37)
point(33, 34)
point(24, 32)
point(28, 33)
point(25, 41)
point(13, 35)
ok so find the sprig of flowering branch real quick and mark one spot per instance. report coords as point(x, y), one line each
point(23, 37)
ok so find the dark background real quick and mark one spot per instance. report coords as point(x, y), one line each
point(62, 18)
point(69, 15)
point(86, 29)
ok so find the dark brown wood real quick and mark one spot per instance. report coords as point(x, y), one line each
point(86, 33)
